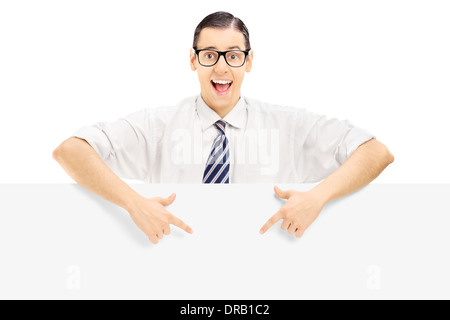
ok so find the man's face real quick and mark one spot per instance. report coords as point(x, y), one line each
point(221, 40)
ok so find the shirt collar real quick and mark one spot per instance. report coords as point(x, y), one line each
point(236, 117)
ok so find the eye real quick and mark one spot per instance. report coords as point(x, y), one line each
point(209, 55)
point(233, 57)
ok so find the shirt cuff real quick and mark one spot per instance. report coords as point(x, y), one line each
point(96, 138)
point(354, 138)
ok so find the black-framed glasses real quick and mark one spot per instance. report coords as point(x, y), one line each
point(209, 57)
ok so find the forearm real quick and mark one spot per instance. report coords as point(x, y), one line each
point(83, 164)
point(363, 166)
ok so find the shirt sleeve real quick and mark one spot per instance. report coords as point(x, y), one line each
point(124, 145)
point(322, 144)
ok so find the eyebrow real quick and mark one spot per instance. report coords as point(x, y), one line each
point(229, 48)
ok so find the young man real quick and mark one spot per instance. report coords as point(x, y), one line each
point(220, 136)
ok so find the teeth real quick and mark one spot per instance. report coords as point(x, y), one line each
point(222, 81)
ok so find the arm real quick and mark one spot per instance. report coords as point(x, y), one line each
point(302, 208)
point(362, 167)
point(85, 166)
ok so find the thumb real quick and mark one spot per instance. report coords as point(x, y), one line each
point(280, 193)
point(169, 200)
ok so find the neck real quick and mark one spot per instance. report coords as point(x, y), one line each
point(222, 111)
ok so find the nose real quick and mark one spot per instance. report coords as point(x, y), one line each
point(221, 66)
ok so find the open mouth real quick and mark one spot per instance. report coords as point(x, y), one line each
point(221, 87)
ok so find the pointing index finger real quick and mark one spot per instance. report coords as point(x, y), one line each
point(274, 219)
point(180, 224)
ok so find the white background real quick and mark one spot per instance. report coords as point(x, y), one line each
point(382, 64)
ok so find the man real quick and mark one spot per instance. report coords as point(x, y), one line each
point(223, 137)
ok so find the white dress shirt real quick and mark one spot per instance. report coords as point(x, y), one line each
point(268, 143)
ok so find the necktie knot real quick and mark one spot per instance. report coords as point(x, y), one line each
point(221, 126)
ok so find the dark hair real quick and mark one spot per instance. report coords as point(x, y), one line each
point(222, 20)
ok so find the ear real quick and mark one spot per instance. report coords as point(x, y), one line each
point(248, 65)
point(192, 60)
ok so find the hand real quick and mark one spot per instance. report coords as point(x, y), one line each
point(150, 215)
point(301, 209)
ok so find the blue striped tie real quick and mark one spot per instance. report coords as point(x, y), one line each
point(218, 165)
